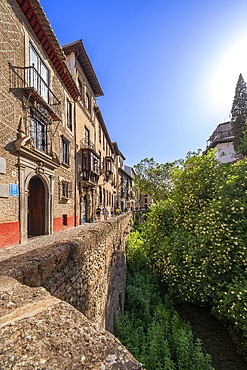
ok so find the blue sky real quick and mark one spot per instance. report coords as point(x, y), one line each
point(168, 68)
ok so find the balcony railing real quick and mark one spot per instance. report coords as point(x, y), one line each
point(108, 164)
point(90, 177)
point(28, 79)
point(87, 144)
point(90, 164)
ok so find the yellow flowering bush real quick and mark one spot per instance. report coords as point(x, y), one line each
point(196, 238)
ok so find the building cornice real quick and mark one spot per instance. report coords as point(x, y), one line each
point(78, 48)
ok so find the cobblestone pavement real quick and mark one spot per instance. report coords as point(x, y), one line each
point(39, 241)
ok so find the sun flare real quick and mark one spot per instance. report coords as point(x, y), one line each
point(226, 74)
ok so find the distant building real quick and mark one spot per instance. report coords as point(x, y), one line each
point(222, 140)
point(127, 197)
point(145, 201)
point(131, 193)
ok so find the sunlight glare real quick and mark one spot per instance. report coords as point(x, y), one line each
point(225, 76)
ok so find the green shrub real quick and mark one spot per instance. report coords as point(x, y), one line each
point(231, 304)
point(196, 239)
point(150, 328)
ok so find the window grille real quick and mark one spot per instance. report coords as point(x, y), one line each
point(69, 115)
point(65, 151)
point(66, 189)
point(39, 132)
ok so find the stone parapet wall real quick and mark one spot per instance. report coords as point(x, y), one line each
point(39, 331)
point(87, 271)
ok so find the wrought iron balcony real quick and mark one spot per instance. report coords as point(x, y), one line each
point(28, 80)
point(90, 177)
point(90, 164)
point(108, 164)
point(87, 144)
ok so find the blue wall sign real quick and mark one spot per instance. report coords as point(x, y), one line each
point(13, 190)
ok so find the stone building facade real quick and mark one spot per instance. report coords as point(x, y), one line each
point(57, 160)
point(106, 192)
point(87, 156)
point(95, 174)
point(37, 141)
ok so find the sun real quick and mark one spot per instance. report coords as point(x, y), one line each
point(226, 73)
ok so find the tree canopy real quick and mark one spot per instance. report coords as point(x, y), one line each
point(239, 117)
point(153, 178)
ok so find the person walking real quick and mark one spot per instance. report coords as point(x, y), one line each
point(105, 213)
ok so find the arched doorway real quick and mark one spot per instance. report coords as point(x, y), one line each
point(36, 207)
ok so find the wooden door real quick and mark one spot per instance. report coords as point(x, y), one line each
point(36, 205)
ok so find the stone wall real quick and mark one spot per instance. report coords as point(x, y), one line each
point(11, 39)
point(87, 271)
point(39, 331)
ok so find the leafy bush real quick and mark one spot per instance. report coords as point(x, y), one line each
point(151, 329)
point(196, 239)
point(231, 305)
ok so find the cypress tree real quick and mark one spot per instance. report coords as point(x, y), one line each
point(239, 116)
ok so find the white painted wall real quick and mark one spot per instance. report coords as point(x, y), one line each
point(225, 152)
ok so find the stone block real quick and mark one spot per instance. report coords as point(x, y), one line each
point(4, 190)
point(2, 165)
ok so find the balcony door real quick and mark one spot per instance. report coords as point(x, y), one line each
point(39, 132)
point(39, 74)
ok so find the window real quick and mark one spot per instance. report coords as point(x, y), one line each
point(69, 115)
point(39, 133)
point(80, 87)
point(87, 136)
point(90, 162)
point(65, 220)
point(87, 102)
point(84, 161)
point(94, 163)
point(99, 134)
point(65, 151)
point(120, 162)
point(108, 164)
point(94, 135)
point(100, 160)
point(39, 74)
point(66, 189)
